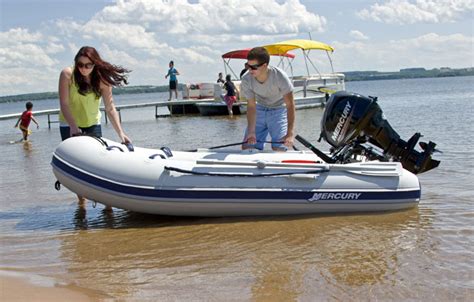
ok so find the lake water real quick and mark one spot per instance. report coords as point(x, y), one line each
point(426, 253)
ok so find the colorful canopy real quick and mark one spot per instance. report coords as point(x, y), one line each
point(242, 54)
point(285, 46)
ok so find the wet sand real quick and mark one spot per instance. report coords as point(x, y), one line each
point(16, 288)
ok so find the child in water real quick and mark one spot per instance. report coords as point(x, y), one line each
point(25, 118)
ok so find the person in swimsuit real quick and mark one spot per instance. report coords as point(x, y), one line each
point(25, 119)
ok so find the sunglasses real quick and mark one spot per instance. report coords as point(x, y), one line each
point(87, 65)
point(255, 66)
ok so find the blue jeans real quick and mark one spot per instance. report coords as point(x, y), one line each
point(273, 121)
point(95, 130)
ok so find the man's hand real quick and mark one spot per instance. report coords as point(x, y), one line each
point(251, 138)
point(288, 140)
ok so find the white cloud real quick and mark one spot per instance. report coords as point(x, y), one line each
point(18, 36)
point(430, 51)
point(418, 11)
point(144, 35)
point(22, 48)
point(178, 17)
point(358, 35)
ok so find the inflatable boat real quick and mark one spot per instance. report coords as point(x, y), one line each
point(222, 182)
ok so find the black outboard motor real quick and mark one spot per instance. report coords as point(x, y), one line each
point(354, 125)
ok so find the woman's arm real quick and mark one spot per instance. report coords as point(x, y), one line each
point(106, 92)
point(64, 82)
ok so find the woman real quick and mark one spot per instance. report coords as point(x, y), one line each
point(80, 89)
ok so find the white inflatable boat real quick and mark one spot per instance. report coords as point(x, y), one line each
point(234, 182)
point(228, 183)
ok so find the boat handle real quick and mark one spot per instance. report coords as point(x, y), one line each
point(129, 147)
point(155, 155)
point(114, 147)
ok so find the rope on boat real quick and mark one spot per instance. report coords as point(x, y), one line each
point(318, 171)
point(237, 144)
point(100, 139)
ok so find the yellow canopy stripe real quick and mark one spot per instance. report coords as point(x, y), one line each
point(285, 46)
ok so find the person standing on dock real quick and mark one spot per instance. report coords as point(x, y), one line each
point(172, 73)
point(25, 119)
point(270, 103)
point(81, 88)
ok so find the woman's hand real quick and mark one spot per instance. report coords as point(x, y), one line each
point(124, 138)
point(74, 131)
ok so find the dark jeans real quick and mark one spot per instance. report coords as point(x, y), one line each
point(95, 130)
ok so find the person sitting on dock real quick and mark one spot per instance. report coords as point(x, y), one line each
point(270, 103)
point(172, 73)
point(232, 93)
point(25, 118)
point(81, 89)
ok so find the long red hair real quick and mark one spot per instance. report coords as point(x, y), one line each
point(103, 71)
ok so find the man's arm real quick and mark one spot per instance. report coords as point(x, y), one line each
point(251, 121)
point(290, 107)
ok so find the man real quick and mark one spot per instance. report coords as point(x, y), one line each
point(172, 72)
point(270, 103)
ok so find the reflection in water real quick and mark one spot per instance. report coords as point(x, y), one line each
point(28, 148)
point(104, 220)
point(263, 259)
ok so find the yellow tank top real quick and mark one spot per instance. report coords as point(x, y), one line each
point(84, 108)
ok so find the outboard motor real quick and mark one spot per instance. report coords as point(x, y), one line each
point(354, 125)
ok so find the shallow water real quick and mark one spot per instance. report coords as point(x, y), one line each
point(425, 253)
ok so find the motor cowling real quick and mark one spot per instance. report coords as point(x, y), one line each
point(350, 118)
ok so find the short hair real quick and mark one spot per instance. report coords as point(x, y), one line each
point(227, 77)
point(29, 105)
point(260, 54)
point(171, 62)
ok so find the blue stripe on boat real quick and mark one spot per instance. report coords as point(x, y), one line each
point(225, 194)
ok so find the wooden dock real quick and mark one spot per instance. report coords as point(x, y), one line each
point(119, 108)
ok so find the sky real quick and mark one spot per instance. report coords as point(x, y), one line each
point(40, 38)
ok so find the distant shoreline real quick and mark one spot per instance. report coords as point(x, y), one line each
point(408, 73)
